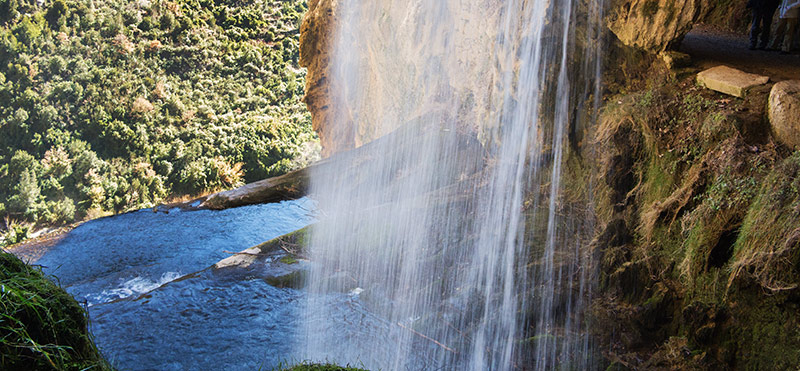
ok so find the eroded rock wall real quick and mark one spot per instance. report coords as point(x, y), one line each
point(655, 25)
point(466, 38)
point(698, 245)
point(413, 54)
point(317, 38)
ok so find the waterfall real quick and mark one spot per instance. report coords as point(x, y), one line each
point(451, 233)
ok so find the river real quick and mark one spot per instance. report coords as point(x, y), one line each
point(153, 301)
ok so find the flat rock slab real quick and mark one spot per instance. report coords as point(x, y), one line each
point(730, 80)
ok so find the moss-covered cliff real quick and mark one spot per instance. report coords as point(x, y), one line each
point(699, 243)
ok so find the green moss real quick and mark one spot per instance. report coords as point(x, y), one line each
point(295, 243)
point(659, 177)
point(41, 326)
point(769, 246)
point(294, 280)
point(767, 334)
point(716, 224)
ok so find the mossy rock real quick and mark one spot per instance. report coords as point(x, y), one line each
point(294, 280)
point(42, 327)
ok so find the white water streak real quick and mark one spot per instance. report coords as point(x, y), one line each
point(464, 249)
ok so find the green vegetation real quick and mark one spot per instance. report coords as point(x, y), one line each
point(108, 106)
point(701, 245)
point(769, 251)
point(41, 326)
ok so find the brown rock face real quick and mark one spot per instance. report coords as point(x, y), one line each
point(344, 120)
point(317, 38)
point(784, 112)
point(655, 25)
point(372, 72)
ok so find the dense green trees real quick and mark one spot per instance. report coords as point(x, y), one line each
point(107, 105)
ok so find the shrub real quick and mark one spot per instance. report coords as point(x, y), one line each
point(56, 15)
point(26, 196)
point(141, 105)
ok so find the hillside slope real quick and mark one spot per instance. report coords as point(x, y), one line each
point(107, 106)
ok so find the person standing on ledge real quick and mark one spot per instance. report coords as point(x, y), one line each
point(787, 25)
point(763, 10)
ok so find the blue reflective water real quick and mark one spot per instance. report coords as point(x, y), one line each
point(150, 311)
point(222, 320)
point(120, 256)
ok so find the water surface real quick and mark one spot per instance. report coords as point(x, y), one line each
point(150, 310)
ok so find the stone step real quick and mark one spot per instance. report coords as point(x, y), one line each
point(730, 80)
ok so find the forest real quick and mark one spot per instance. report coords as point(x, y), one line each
point(110, 106)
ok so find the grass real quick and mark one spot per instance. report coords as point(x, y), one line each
point(42, 327)
point(768, 248)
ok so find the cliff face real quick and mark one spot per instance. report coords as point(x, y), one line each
point(697, 206)
point(654, 25)
point(699, 244)
point(649, 25)
point(317, 37)
point(455, 67)
point(658, 25)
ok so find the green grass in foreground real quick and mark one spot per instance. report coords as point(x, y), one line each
point(42, 327)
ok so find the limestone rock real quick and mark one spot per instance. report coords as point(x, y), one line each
point(730, 80)
point(269, 252)
point(655, 25)
point(461, 47)
point(243, 259)
point(317, 37)
point(784, 112)
point(675, 59)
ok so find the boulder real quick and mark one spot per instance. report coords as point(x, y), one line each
point(730, 80)
point(655, 25)
point(784, 112)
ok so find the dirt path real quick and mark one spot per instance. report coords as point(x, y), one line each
point(710, 47)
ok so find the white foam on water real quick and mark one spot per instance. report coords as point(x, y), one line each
point(133, 286)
